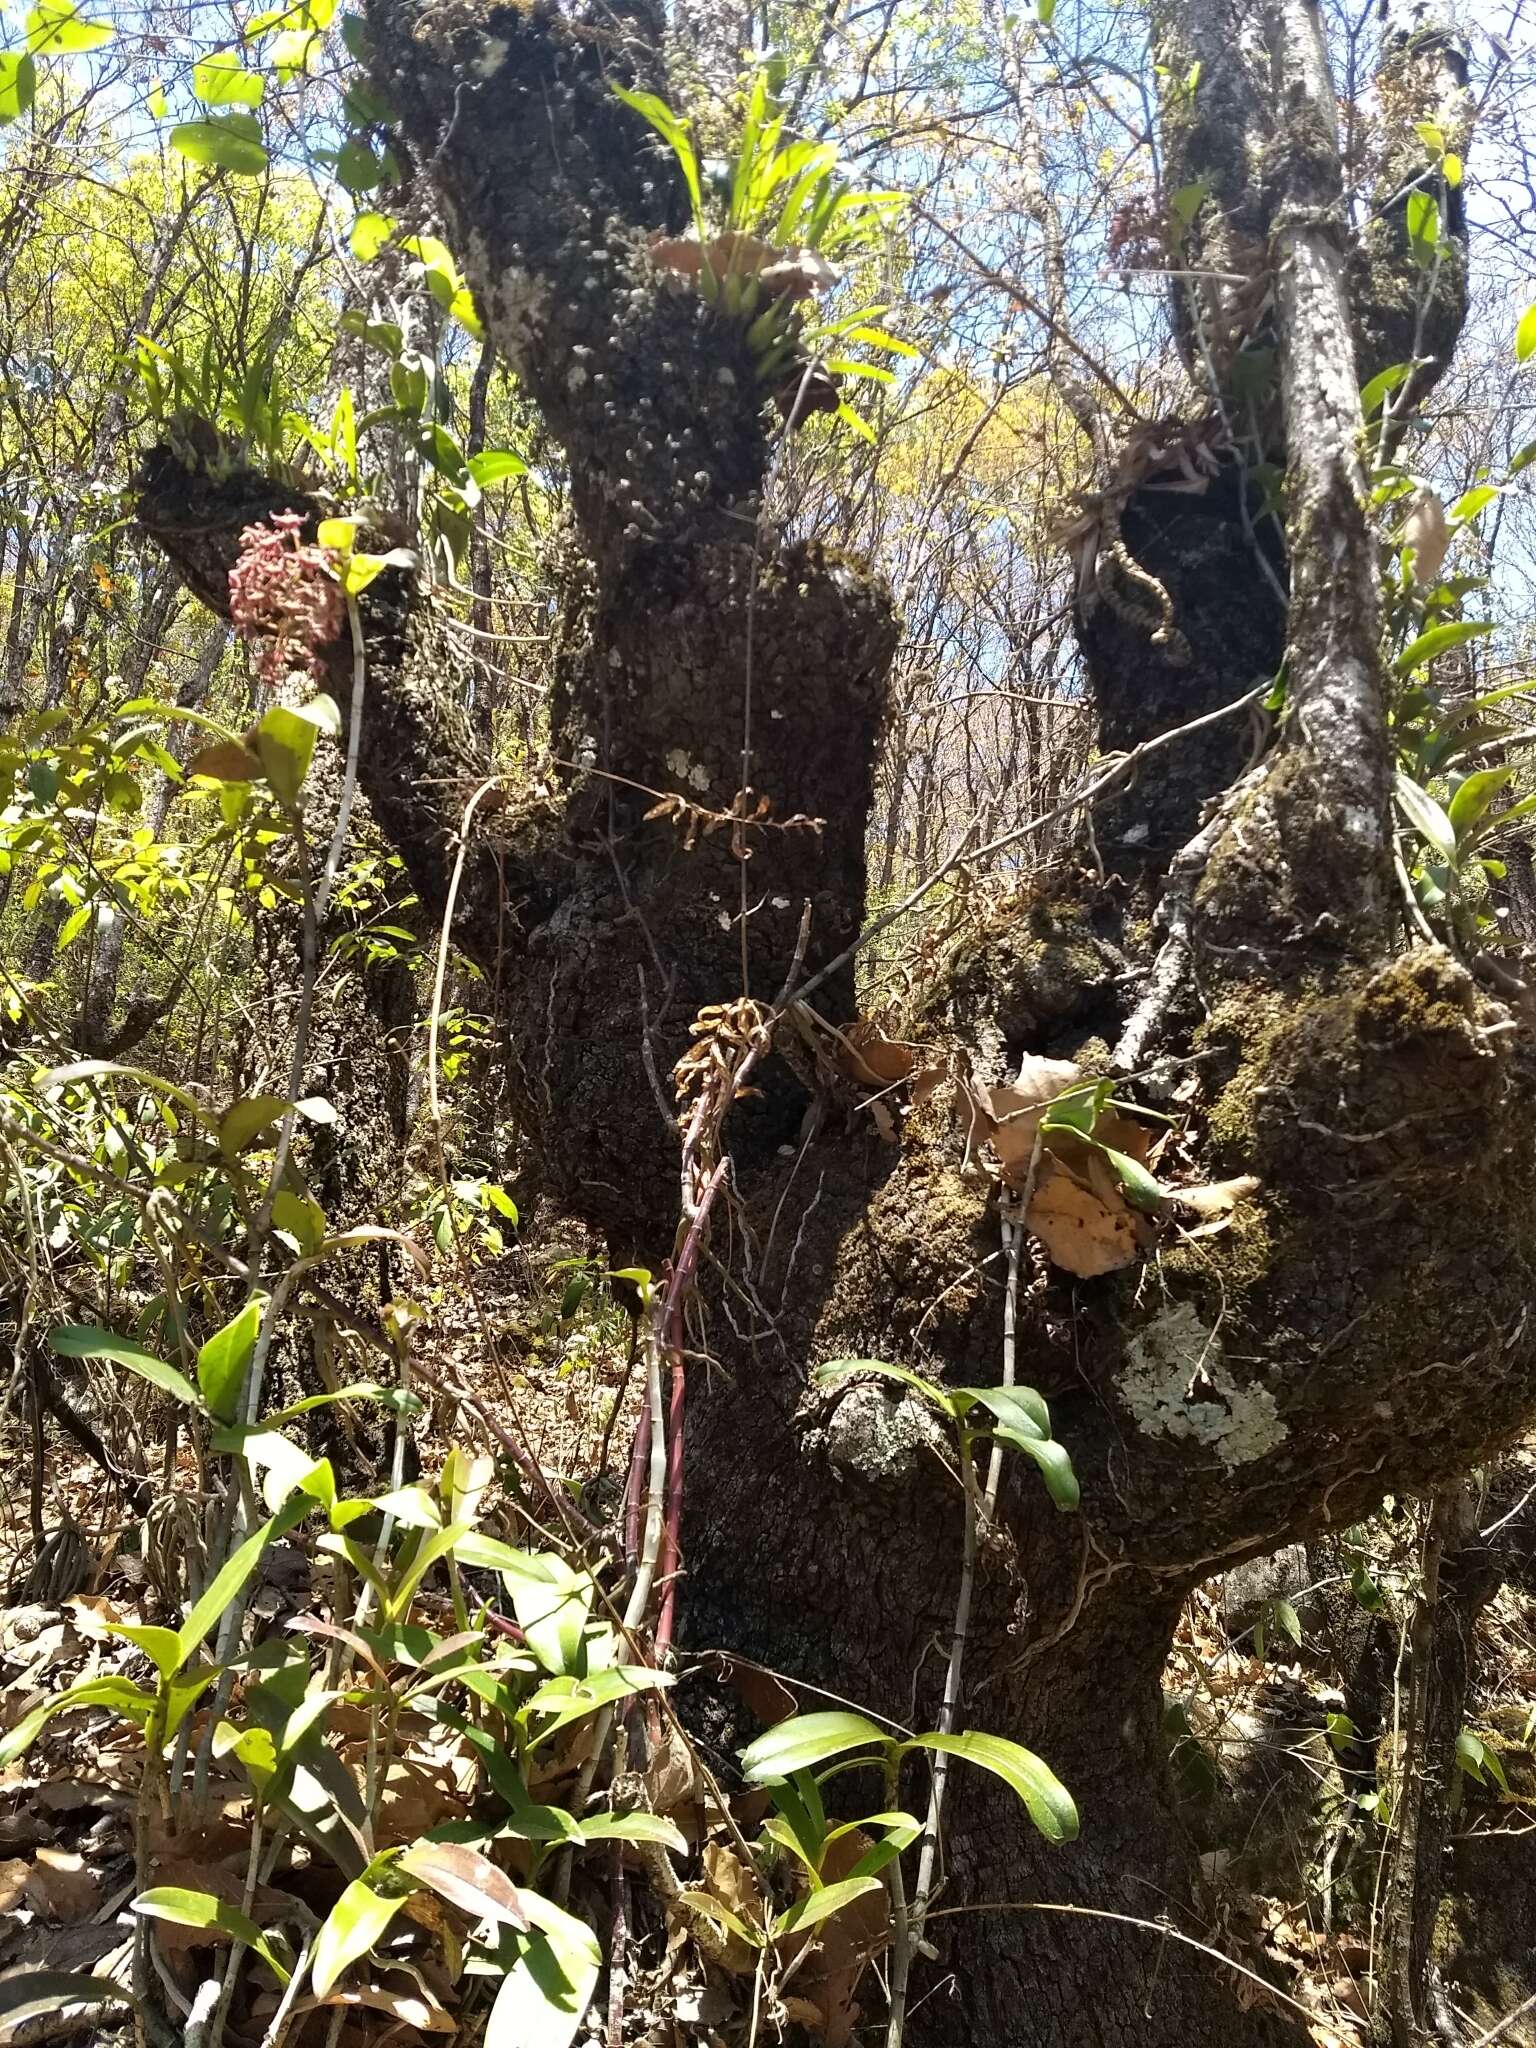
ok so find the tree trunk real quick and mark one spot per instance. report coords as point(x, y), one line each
point(1224, 1395)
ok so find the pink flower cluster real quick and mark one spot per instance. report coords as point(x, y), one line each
point(284, 595)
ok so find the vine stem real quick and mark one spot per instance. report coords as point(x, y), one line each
point(908, 1925)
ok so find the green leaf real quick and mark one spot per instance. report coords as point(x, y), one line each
point(285, 1468)
point(161, 1646)
point(491, 465)
point(286, 744)
point(223, 1361)
point(223, 81)
point(806, 1740)
point(1376, 393)
point(1525, 336)
point(301, 1218)
point(1047, 1800)
point(357, 168)
point(370, 233)
point(551, 1975)
point(412, 1507)
point(831, 1370)
point(122, 1694)
point(362, 569)
point(18, 89)
point(399, 1399)
point(359, 1918)
point(231, 144)
point(61, 27)
point(673, 132)
point(1426, 817)
point(551, 1604)
point(1473, 799)
point(1478, 499)
point(1045, 11)
point(85, 1340)
point(1286, 1618)
point(707, 1905)
point(631, 1827)
point(822, 1904)
point(1366, 1591)
point(1055, 1466)
point(183, 1693)
point(28, 1994)
point(1341, 1732)
point(1437, 641)
point(1018, 1408)
point(461, 307)
point(1144, 1189)
point(560, 1701)
point(1423, 219)
point(201, 1909)
point(227, 1584)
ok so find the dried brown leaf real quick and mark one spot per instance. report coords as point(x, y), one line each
point(228, 761)
point(671, 1776)
point(925, 1082)
point(1216, 1197)
point(62, 1887)
point(790, 273)
point(729, 1880)
point(14, 1873)
point(411, 2009)
point(466, 1879)
point(1081, 1232)
point(1427, 531)
point(1015, 1111)
point(869, 1057)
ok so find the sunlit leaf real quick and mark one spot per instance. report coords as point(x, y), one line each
point(1046, 1799)
point(223, 81)
point(228, 1582)
point(1426, 816)
point(359, 1918)
point(286, 745)
point(231, 144)
point(806, 1740)
point(1437, 641)
point(491, 465)
point(185, 1908)
point(120, 1694)
point(824, 1903)
point(62, 27)
point(552, 1972)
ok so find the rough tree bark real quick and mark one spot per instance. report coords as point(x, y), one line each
point(1230, 1393)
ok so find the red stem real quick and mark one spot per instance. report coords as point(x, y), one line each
point(673, 1332)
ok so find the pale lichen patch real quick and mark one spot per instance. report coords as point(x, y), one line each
point(1176, 1383)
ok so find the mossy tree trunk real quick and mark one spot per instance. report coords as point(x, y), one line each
point(1361, 1326)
